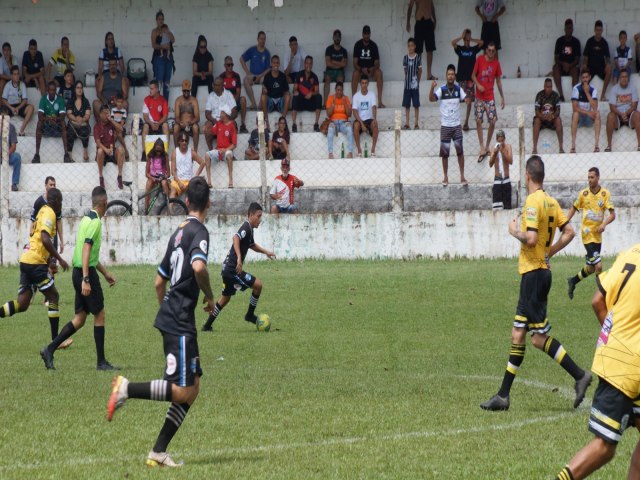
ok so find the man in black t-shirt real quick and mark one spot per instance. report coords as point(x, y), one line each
point(466, 61)
point(335, 57)
point(596, 58)
point(566, 57)
point(184, 266)
point(33, 68)
point(234, 278)
point(366, 61)
point(275, 91)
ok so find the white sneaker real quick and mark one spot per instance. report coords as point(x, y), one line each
point(161, 459)
point(118, 395)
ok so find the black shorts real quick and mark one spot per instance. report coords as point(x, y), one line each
point(612, 412)
point(501, 193)
point(157, 131)
point(52, 129)
point(490, 33)
point(531, 312)
point(367, 126)
point(545, 124)
point(94, 303)
point(182, 359)
point(593, 253)
point(302, 104)
point(34, 277)
point(22, 111)
point(236, 283)
point(424, 34)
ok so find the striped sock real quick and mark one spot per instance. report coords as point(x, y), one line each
point(516, 357)
point(213, 315)
point(565, 474)
point(555, 350)
point(253, 303)
point(54, 319)
point(9, 308)
point(175, 417)
point(158, 390)
point(584, 273)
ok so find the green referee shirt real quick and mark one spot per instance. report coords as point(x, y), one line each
point(51, 109)
point(89, 231)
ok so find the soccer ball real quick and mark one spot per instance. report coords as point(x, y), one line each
point(263, 324)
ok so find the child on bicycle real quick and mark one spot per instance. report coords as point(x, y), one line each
point(157, 170)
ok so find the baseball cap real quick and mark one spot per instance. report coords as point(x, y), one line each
point(285, 162)
point(186, 85)
point(500, 133)
point(226, 109)
point(568, 21)
point(366, 29)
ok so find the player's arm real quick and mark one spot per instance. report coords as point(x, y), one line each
point(86, 254)
point(528, 238)
point(236, 248)
point(257, 248)
point(106, 274)
point(202, 277)
point(48, 245)
point(161, 287)
point(572, 212)
point(599, 303)
point(610, 218)
point(565, 239)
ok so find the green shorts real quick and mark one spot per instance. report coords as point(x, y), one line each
point(334, 73)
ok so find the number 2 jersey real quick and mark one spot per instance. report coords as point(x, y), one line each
point(189, 243)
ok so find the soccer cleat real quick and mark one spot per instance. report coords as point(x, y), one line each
point(161, 459)
point(496, 403)
point(66, 344)
point(251, 318)
point(118, 395)
point(47, 358)
point(106, 366)
point(572, 286)
point(581, 388)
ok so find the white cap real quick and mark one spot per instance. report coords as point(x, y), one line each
point(226, 109)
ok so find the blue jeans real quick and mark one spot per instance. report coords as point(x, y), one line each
point(340, 126)
point(16, 162)
point(162, 69)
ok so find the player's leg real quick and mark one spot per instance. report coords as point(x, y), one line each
point(228, 290)
point(590, 458)
point(20, 304)
point(98, 337)
point(53, 297)
point(256, 290)
point(593, 260)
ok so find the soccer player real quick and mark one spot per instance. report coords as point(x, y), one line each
point(541, 216)
point(185, 266)
point(89, 298)
point(233, 277)
point(615, 403)
point(594, 201)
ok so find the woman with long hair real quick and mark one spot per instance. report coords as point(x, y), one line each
point(157, 170)
point(110, 51)
point(78, 114)
point(279, 143)
point(202, 67)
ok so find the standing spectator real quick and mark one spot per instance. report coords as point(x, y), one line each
point(62, 60)
point(547, 106)
point(623, 106)
point(15, 160)
point(466, 63)
point(275, 91)
point(335, 58)
point(306, 94)
point(282, 191)
point(366, 61)
point(187, 114)
point(66, 89)
point(294, 60)
point(202, 66)
point(14, 97)
point(104, 134)
point(365, 111)
point(108, 86)
point(622, 57)
point(259, 60)
point(584, 101)
point(33, 67)
point(7, 61)
point(155, 112)
point(109, 52)
point(596, 57)
point(280, 140)
point(636, 38)
point(156, 171)
point(486, 72)
point(118, 118)
point(489, 11)
point(501, 158)
point(162, 41)
point(424, 30)
point(227, 142)
point(216, 100)
point(182, 159)
point(233, 85)
point(566, 57)
point(412, 64)
point(450, 96)
point(253, 148)
point(51, 115)
point(78, 115)
point(339, 111)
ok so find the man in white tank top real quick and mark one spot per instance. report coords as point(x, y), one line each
point(182, 159)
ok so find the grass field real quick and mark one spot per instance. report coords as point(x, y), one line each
point(371, 370)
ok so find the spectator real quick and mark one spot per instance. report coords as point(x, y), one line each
point(62, 60)
point(280, 141)
point(33, 68)
point(156, 171)
point(365, 111)
point(155, 112)
point(636, 38)
point(623, 106)
point(486, 72)
point(7, 61)
point(162, 41)
point(275, 91)
point(14, 97)
point(366, 61)
point(566, 57)
point(109, 52)
point(283, 188)
point(216, 100)
point(412, 64)
point(253, 148)
point(66, 89)
point(339, 111)
point(15, 160)
point(623, 57)
point(51, 114)
point(104, 134)
point(187, 114)
point(466, 63)
point(232, 83)
point(78, 115)
point(489, 11)
point(335, 57)
point(227, 142)
point(108, 86)
point(547, 115)
point(259, 60)
point(450, 96)
point(501, 158)
point(182, 159)
point(596, 57)
point(118, 118)
point(584, 100)
point(306, 94)
point(202, 66)
point(424, 30)
point(294, 59)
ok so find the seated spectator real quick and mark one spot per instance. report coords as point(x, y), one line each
point(162, 41)
point(306, 95)
point(365, 111)
point(78, 115)
point(567, 57)
point(596, 57)
point(104, 134)
point(187, 114)
point(15, 160)
point(366, 61)
point(335, 58)
point(33, 68)
point(547, 115)
point(108, 86)
point(62, 60)
point(202, 66)
point(110, 52)
point(51, 115)
point(67, 87)
point(275, 91)
point(584, 100)
point(216, 100)
point(225, 132)
point(280, 140)
point(155, 112)
point(156, 171)
point(7, 61)
point(259, 59)
point(294, 60)
point(14, 97)
point(339, 111)
point(501, 158)
point(253, 148)
point(282, 190)
point(182, 159)
point(118, 118)
point(622, 57)
point(232, 83)
point(623, 106)
point(466, 64)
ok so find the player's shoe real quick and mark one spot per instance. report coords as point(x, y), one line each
point(208, 325)
point(47, 358)
point(251, 318)
point(118, 395)
point(572, 286)
point(106, 366)
point(581, 388)
point(66, 344)
point(161, 459)
point(496, 403)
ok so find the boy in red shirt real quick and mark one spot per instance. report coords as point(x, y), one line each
point(225, 132)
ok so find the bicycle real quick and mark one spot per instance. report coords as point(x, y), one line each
point(120, 208)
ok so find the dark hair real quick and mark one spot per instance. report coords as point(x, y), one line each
point(154, 82)
point(308, 57)
point(33, 42)
point(201, 38)
point(106, 35)
point(198, 194)
point(595, 170)
point(261, 32)
point(622, 32)
point(104, 107)
point(451, 66)
point(63, 39)
point(184, 135)
point(228, 57)
point(253, 208)
point(411, 40)
point(598, 24)
point(286, 125)
point(491, 44)
point(74, 95)
point(67, 70)
point(15, 68)
point(292, 38)
point(547, 80)
point(163, 155)
point(535, 168)
point(46, 180)
point(51, 82)
point(275, 57)
point(158, 13)
point(585, 70)
point(97, 194)
point(339, 84)
point(54, 195)
point(364, 76)
point(5, 45)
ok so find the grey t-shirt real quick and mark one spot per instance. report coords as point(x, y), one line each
point(14, 95)
point(489, 8)
point(622, 98)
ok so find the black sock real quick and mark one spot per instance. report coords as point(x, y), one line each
point(253, 303)
point(9, 308)
point(98, 336)
point(213, 315)
point(159, 390)
point(555, 350)
point(66, 332)
point(582, 274)
point(516, 357)
point(54, 319)
point(565, 474)
point(175, 417)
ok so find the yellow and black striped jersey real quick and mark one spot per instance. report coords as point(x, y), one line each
point(593, 206)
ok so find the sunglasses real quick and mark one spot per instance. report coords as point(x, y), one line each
point(186, 91)
point(228, 64)
point(182, 140)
